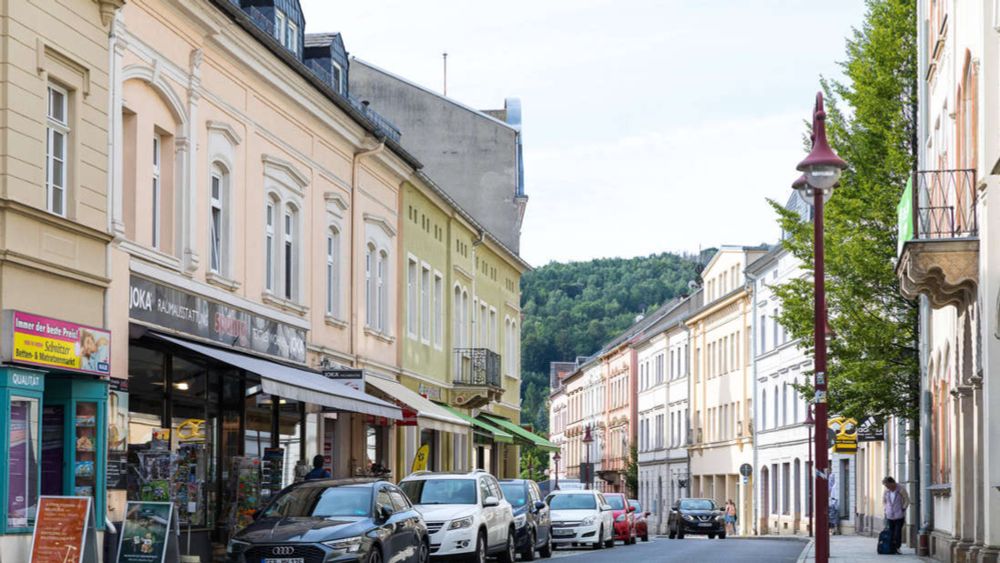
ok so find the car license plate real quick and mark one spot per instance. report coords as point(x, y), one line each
point(705, 524)
point(284, 560)
point(562, 533)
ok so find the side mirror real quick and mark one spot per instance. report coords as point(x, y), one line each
point(384, 513)
point(491, 501)
point(539, 505)
point(605, 507)
point(647, 513)
point(631, 508)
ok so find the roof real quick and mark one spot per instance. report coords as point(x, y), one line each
point(320, 39)
point(762, 262)
point(428, 91)
point(677, 314)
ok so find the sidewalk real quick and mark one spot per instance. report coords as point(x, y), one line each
point(860, 549)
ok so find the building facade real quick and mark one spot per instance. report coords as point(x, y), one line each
point(720, 398)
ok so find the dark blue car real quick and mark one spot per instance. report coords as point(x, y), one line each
point(532, 530)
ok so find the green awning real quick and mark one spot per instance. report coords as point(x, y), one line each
point(498, 435)
point(523, 434)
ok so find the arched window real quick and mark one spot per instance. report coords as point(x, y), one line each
point(370, 286)
point(289, 254)
point(333, 272)
point(270, 242)
point(381, 292)
point(515, 350)
point(776, 413)
point(763, 410)
point(784, 404)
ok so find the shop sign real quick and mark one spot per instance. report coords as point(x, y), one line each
point(64, 531)
point(352, 377)
point(145, 532)
point(844, 433)
point(41, 341)
point(871, 431)
point(904, 217)
point(195, 315)
point(27, 380)
point(429, 391)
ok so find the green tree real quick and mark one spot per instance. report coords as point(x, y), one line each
point(632, 472)
point(873, 369)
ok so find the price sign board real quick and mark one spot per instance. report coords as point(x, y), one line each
point(64, 531)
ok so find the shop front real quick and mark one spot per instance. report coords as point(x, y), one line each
point(221, 412)
point(53, 392)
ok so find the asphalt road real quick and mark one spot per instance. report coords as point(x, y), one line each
point(695, 549)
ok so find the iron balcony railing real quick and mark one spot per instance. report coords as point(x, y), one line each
point(477, 366)
point(945, 204)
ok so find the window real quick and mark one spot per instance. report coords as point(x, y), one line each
point(775, 396)
point(774, 316)
point(786, 478)
point(215, 220)
point(381, 295)
point(425, 304)
point(370, 286)
point(57, 137)
point(438, 309)
point(332, 275)
point(280, 24)
point(763, 410)
point(494, 328)
point(411, 298)
point(22, 460)
point(269, 246)
point(338, 80)
point(288, 255)
point(784, 404)
point(155, 191)
point(763, 333)
point(292, 38)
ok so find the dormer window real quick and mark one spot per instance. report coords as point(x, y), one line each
point(337, 77)
point(292, 37)
point(280, 26)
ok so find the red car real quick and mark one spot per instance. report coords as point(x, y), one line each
point(624, 517)
point(639, 516)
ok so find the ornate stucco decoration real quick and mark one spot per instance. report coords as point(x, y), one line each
point(945, 270)
point(108, 9)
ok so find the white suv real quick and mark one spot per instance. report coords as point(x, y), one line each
point(466, 514)
point(581, 517)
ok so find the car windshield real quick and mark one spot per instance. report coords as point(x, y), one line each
point(636, 505)
point(514, 493)
point(322, 502)
point(440, 491)
point(572, 502)
point(697, 504)
point(615, 501)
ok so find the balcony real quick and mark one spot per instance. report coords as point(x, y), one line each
point(939, 238)
point(476, 377)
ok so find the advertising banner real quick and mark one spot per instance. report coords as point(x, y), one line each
point(62, 530)
point(870, 431)
point(41, 341)
point(145, 532)
point(192, 314)
point(844, 431)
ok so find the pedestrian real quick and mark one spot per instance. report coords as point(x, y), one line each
point(731, 517)
point(318, 471)
point(895, 500)
point(833, 516)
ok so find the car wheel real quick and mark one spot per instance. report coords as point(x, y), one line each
point(375, 556)
point(611, 539)
point(508, 555)
point(680, 531)
point(645, 537)
point(479, 556)
point(546, 550)
point(711, 536)
point(600, 539)
point(670, 533)
point(722, 535)
point(425, 551)
point(529, 553)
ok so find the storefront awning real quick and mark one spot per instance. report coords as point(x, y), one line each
point(530, 437)
point(429, 414)
point(498, 435)
point(296, 384)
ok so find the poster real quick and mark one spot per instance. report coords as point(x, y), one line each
point(118, 416)
point(145, 532)
point(61, 530)
point(41, 341)
point(420, 460)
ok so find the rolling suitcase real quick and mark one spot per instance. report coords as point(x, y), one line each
point(884, 542)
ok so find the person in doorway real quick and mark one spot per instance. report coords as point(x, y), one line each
point(730, 517)
point(895, 500)
point(318, 471)
point(833, 516)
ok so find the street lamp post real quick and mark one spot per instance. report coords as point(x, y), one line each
point(556, 458)
point(809, 423)
point(820, 171)
point(587, 439)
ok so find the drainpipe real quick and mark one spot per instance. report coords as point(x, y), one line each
point(355, 221)
point(753, 435)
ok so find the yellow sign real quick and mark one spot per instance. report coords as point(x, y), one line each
point(58, 344)
point(845, 434)
point(191, 430)
point(420, 460)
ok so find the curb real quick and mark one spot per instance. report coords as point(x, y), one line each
point(801, 539)
point(804, 556)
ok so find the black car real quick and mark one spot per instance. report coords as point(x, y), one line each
point(532, 529)
point(696, 516)
point(327, 520)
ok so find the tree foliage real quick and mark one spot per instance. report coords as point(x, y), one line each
point(632, 472)
point(572, 309)
point(873, 369)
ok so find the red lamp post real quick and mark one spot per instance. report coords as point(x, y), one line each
point(809, 422)
point(821, 169)
point(587, 440)
point(556, 458)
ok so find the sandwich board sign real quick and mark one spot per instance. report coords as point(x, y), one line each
point(64, 531)
point(146, 534)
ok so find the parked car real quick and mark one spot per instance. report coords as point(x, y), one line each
point(549, 485)
point(357, 520)
point(640, 515)
point(622, 513)
point(581, 517)
point(532, 530)
point(466, 514)
point(696, 516)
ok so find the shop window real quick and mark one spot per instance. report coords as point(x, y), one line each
point(22, 462)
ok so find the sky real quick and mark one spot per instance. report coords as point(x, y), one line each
point(649, 126)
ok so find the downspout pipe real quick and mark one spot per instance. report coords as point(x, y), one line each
point(355, 225)
point(753, 342)
point(925, 506)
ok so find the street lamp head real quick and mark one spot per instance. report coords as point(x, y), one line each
point(822, 167)
point(556, 457)
point(587, 438)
